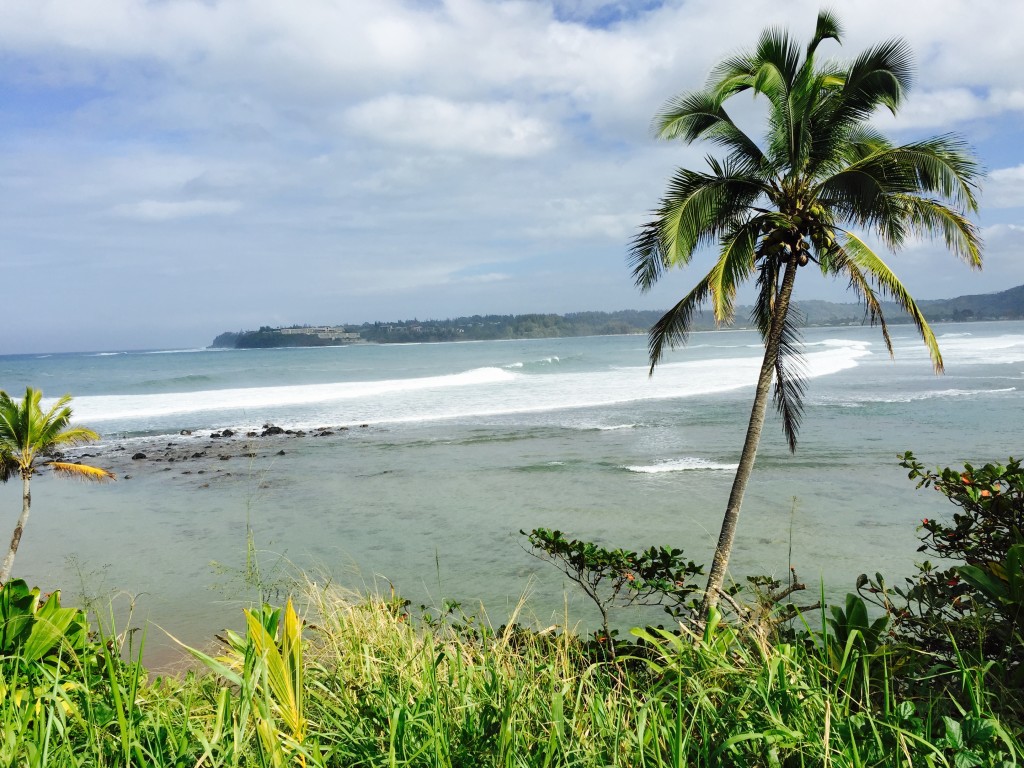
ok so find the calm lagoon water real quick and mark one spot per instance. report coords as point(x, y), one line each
point(465, 444)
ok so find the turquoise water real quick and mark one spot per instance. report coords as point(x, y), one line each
point(465, 444)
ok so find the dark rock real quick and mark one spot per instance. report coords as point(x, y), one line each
point(138, 456)
point(270, 429)
point(185, 432)
point(280, 453)
point(215, 434)
point(198, 455)
point(225, 458)
point(201, 472)
point(252, 434)
point(227, 433)
point(364, 426)
point(127, 477)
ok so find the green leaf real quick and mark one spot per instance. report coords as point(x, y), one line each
point(954, 737)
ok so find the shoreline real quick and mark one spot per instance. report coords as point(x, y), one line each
point(204, 452)
point(731, 329)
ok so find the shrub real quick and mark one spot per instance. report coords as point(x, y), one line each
point(972, 601)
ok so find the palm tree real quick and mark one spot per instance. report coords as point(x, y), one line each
point(26, 434)
point(820, 180)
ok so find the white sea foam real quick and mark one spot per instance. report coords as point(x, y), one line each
point(858, 400)
point(543, 361)
point(182, 351)
point(685, 464)
point(967, 349)
point(105, 407)
point(942, 393)
point(478, 392)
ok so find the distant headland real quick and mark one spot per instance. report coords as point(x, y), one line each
point(1004, 305)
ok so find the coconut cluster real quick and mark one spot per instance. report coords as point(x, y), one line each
point(796, 233)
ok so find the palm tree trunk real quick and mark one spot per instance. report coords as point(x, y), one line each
point(26, 503)
point(739, 484)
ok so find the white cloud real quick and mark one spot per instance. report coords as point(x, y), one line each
point(948, 107)
point(575, 224)
point(490, 277)
point(157, 210)
point(1004, 188)
point(498, 129)
point(420, 156)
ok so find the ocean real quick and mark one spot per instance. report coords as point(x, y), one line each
point(420, 464)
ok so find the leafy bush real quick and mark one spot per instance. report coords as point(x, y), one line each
point(972, 601)
point(34, 631)
point(610, 577)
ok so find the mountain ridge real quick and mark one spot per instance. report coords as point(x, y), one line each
point(1001, 305)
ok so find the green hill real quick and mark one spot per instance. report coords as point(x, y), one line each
point(1005, 305)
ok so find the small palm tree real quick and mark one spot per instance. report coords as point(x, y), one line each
point(820, 178)
point(26, 434)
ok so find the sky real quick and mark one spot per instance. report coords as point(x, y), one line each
point(171, 169)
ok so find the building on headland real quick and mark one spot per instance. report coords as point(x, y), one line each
point(329, 332)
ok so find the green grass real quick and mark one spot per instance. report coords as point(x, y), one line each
point(368, 685)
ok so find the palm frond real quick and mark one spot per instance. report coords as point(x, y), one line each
point(858, 283)
point(790, 371)
point(778, 58)
point(866, 194)
point(694, 116)
point(878, 77)
point(764, 303)
point(790, 376)
point(942, 165)
point(696, 210)
point(769, 69)
point(673, 329)
point(646, 255)
point(826, 28)
point(79, 471)
point(931, 217)
point(734, 266)
point(8, 467)
point(73, 436)
point(878, 272)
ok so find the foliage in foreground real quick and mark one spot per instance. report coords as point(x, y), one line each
point(364, 683)
point(971, 600)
